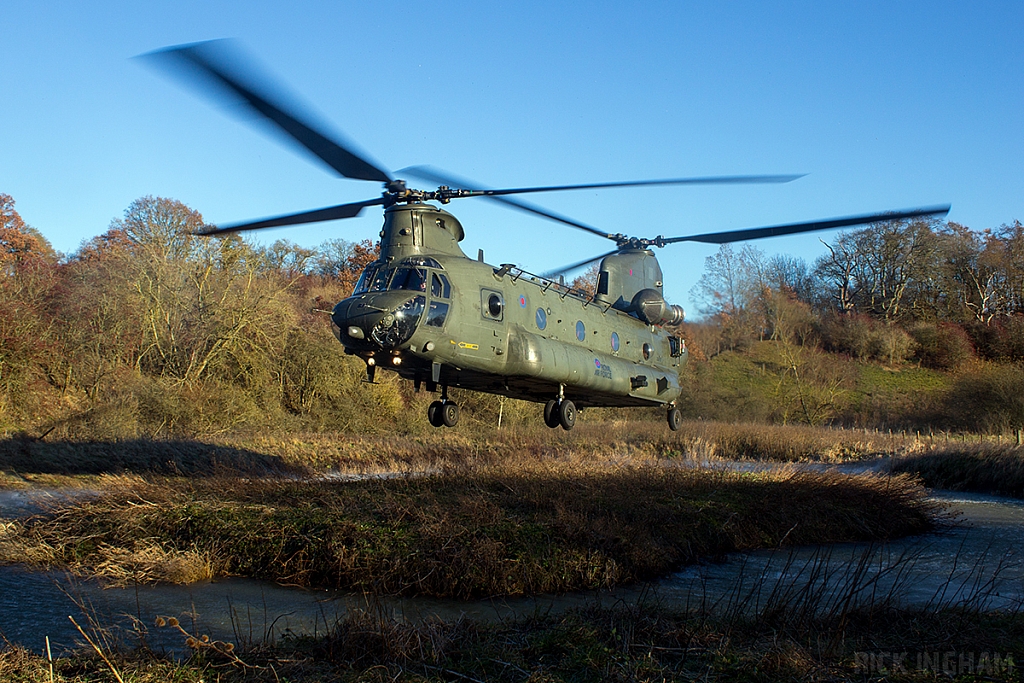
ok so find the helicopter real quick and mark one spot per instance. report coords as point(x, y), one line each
point(428, 312)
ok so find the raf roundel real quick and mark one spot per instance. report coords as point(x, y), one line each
point(522, 301)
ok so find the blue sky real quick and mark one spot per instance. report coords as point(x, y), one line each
point(885, 105)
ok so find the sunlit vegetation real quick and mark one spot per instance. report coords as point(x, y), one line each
point(524, 527)
point(150, 331)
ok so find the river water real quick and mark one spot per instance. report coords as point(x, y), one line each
point(975, 561)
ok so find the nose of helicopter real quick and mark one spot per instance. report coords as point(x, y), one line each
point(377, 321)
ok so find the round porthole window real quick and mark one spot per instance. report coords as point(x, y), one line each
point(542, 319)
point(581, 330)
point(494, 305)
point(615, 341)
point(647, 349)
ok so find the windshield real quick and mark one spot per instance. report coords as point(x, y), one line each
point(414, 279)
point(363, 284)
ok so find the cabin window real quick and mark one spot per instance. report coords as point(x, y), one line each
point(492, 305)
point(648, 350)
point(581, 330)
point(439, 286)
point(615, 341)
point(676, 346)
point(436, 314)
point(542, 319)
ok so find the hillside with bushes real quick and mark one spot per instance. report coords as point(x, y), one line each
point(149, 331)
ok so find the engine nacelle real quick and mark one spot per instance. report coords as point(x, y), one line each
point(651, 307)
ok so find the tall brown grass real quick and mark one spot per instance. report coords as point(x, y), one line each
point(494, 530)
point(592, 440)
point(983, 467)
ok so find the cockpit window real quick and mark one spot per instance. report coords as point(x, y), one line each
point(425, 261)
point(366, 278)
point(380, 281)
point(414, 279)
point(439, 286)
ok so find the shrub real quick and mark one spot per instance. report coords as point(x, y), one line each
point(988, 399)
point(991, 342)
point(945, 346)
point(890, 344)
point(849, 334)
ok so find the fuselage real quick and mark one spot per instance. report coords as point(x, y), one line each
point(429, 313)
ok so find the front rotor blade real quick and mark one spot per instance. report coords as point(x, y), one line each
point(579, 264)
point(794, 228)
point(223, 67)
point(709, 180)
point(440, 177)
point(330, 213)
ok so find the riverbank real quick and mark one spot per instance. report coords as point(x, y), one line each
point(589, 644)
point(485, 531)
point(983, 468)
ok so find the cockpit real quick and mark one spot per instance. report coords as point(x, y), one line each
point(420, 275)
point(411, 275)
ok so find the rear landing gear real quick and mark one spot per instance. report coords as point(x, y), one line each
point(449, 414)
point(551, 413)
point(443, 413)
point(675, 419)
point(560, 413)
point(434, 414)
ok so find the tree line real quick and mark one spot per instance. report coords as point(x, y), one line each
point(926, 289)
point(901, 294)
point(151, 330)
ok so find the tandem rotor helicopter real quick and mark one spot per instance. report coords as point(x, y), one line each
point(430, 313)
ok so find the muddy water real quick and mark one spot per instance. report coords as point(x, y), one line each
point(976, 560)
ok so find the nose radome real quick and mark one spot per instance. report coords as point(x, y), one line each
point(385, 321)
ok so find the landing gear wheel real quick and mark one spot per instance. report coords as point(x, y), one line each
point(566, 414)
point(551, 418)
point(675, 419)
point(450, 414)
point(434, 414)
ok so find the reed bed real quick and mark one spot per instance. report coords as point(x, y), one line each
point(287, 454)
point(627, 642)
point(494, 530)
point(983, 467)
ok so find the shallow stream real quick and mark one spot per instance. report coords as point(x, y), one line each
point(976, 560)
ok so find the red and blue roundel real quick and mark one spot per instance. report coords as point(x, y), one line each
point(522, 301)
point(597, 362)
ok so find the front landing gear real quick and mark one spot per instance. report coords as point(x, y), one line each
point(443, 413)
point(560, 413)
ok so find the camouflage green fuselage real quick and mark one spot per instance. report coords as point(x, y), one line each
point(429, 313)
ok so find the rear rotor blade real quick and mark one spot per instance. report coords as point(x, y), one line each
point(221, 66)
point(436, 175)
point(329, 213)
point(794, 228)
point(709, 180)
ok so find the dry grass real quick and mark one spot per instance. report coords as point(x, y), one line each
point(297, 454)
point(983, 467)
point(494, 530)
point(592, 644)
